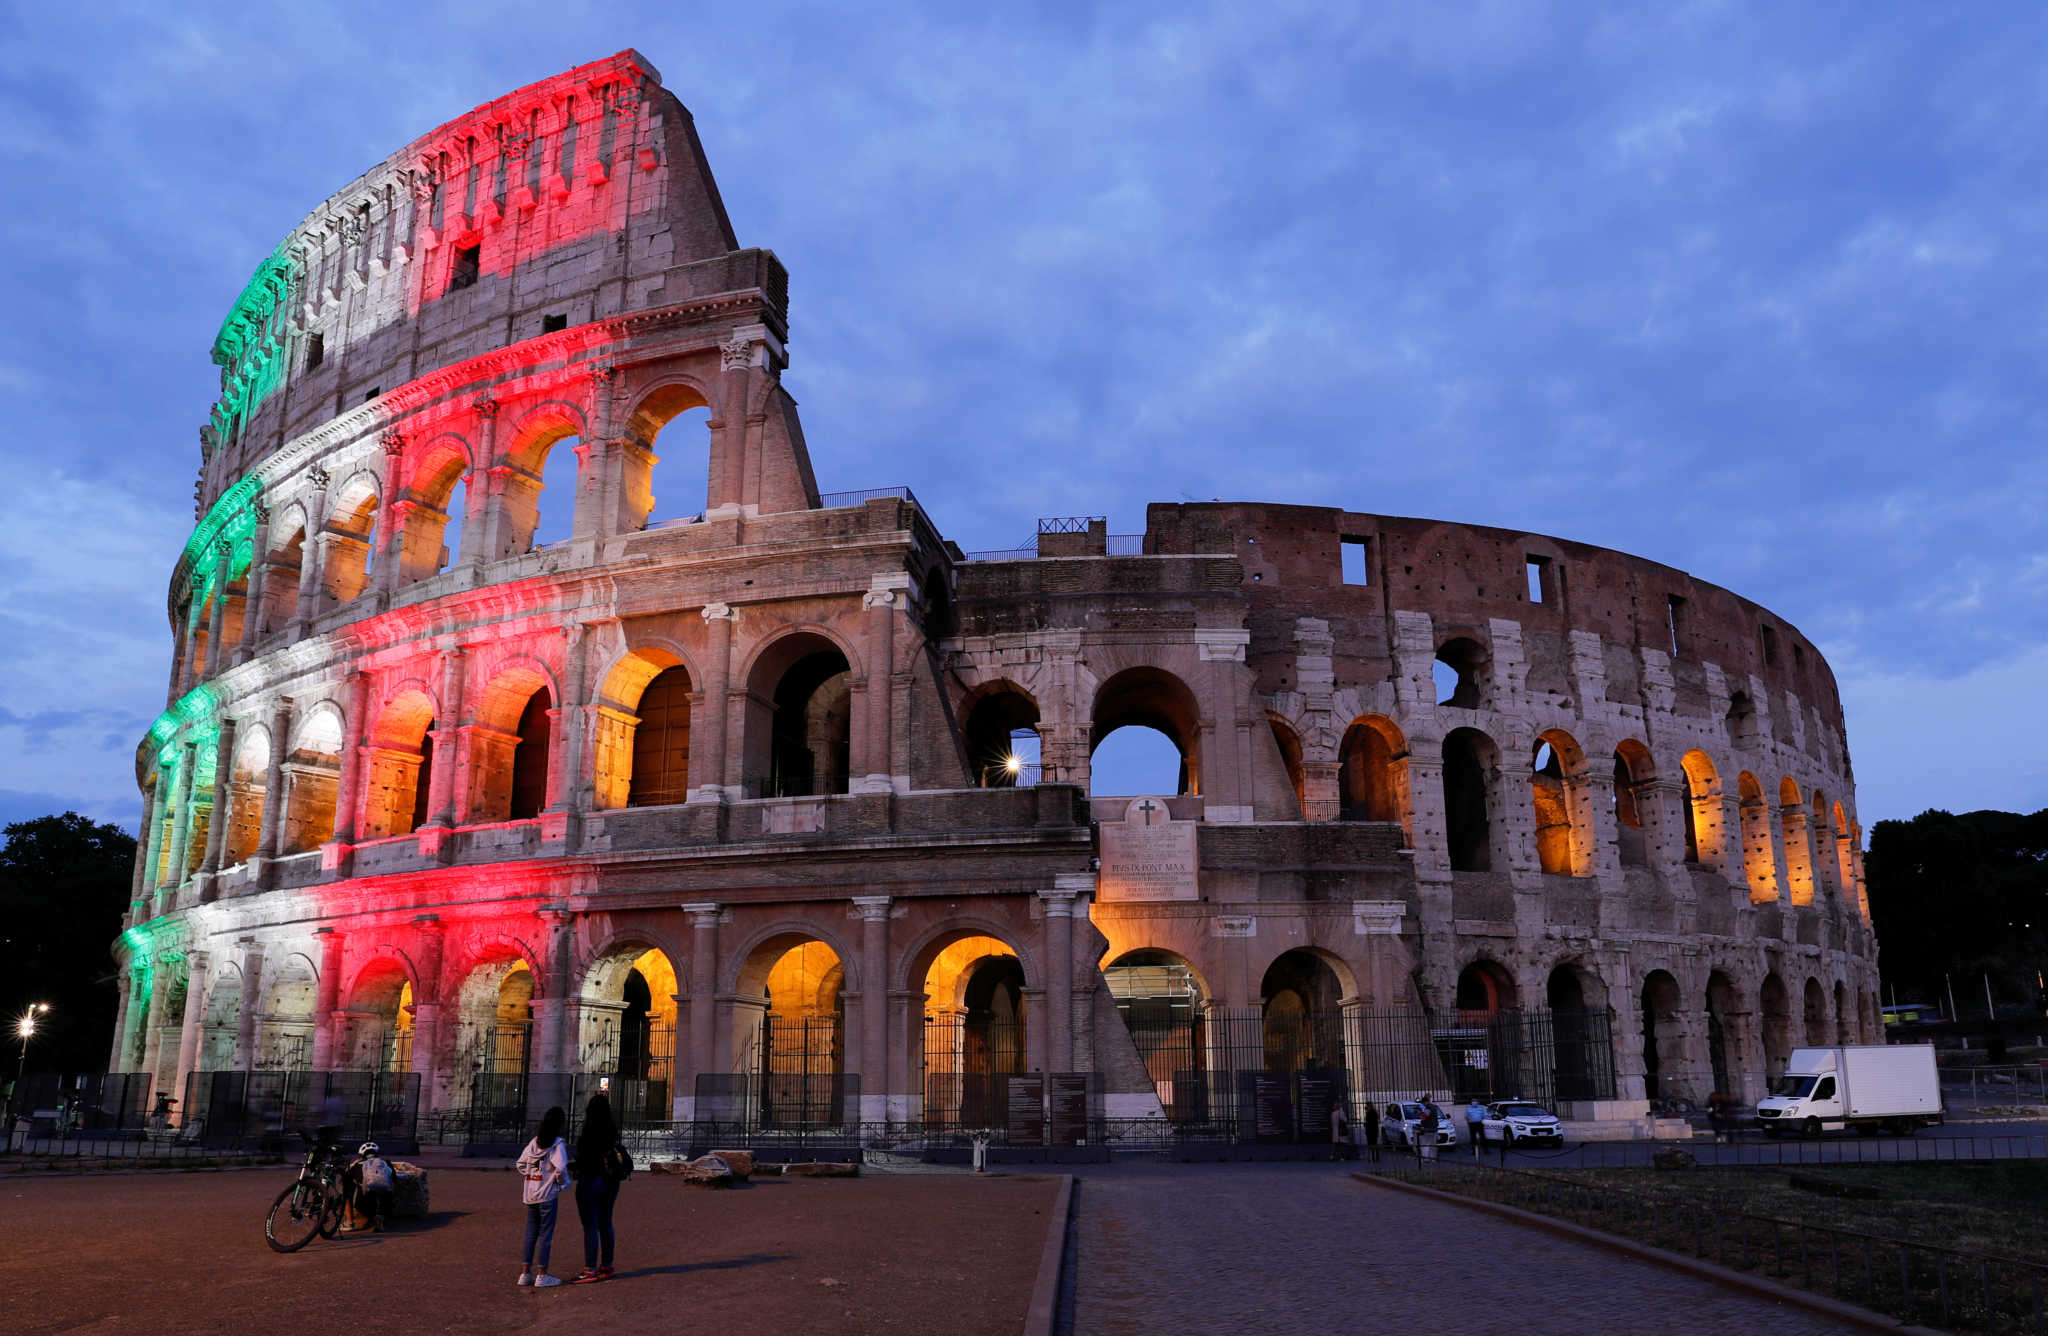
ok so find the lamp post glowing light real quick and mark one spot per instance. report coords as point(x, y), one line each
point(26, 1029)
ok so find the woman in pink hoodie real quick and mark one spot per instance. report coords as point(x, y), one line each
point(544, 1168)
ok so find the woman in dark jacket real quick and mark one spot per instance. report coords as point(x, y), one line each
point(597, 1190)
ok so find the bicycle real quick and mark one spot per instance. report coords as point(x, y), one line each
point(312, 1205)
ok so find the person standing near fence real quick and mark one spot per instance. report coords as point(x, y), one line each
point(544, 1169)
point(1340, 1132)
point(1425, 1133)
point(600, 1165)
point(1372, 1132)
point(1475, 1123)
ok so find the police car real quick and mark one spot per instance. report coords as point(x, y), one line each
point(1515, 1121)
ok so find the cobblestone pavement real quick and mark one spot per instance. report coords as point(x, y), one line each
point(1233, 1249)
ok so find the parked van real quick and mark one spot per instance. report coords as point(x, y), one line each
point(1866, 1086)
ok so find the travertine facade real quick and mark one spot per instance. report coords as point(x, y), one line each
point(631, 801)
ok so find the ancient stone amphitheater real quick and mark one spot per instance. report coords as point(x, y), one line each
point(536, 725)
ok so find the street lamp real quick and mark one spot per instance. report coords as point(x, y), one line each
point(26, 1029)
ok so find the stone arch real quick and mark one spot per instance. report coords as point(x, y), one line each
point(401, 761)
point(348, 543)
point(1776, 1008)
point(914, 962)
point(642, 756)
point(1563, 805)
point(1799, 861)
point(1722, 1006)
point(1814, 1006)
point(247, 792)
point(220, 1020)
point(1372, 769)
point(1301, 997)
point(376, 1031)
point(528, 463)
point(1288, 743)
point(976, 1025)
point(1663, 1035)
point(511, 747)
point(1471, 780)
point(1154, 698)
point(1463, 673)
point(1845, 1015)
point(1485, 988)
point(312, 777)
point(282, 565)
point(992, 716)
point(1759, 858)
point(656, 406)
point(799, 724)
point(1702, 809)
point(1575, 997)
point(1634, 813)
point(1740, 722)
point(431, 505)
point(286, 1015)
point(627, 1022)
point(495, 986)
point(1160, 996)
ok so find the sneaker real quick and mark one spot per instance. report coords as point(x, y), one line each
point(586, 1276)
point(543, 1280)
point(526, 1278)
point(604, 1273)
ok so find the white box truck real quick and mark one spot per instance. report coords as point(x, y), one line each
point(1867, 1087)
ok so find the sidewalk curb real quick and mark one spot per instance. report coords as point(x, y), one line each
point(1693, 1266)
point(1045, 1293)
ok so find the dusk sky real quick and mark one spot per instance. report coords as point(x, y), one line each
point(1759, 291)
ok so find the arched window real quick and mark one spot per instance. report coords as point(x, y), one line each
point(350, 544)
point(1372, 772)
point(1632, 776)
point(1564, 817)
point(431, 539)
point(400, 767)
point(1759, 858)
point(1001, 735)
point(1461, 672)
point(1703, 814)
point(1288, 744)
point(1138, 702)
point(667, 453)
point(281, 576)
point(799, 719)
point(661, 742)
point(530, 756)
point(1471, 770)
point(509, 750)
point(311, 776)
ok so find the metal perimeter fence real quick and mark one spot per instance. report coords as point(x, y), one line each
point(1741, 1153)
point(1913, 1281)
point(2017, 1084)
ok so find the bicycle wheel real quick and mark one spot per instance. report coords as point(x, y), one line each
point(294, 1217)
point(334, 1209)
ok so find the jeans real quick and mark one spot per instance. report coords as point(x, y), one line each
point(595, 1198)
point(540, 1235)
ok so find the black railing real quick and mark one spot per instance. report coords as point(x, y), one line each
point(1905, 1278)
point(225, 1109)
point(795, 786)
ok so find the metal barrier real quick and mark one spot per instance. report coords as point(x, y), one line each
point(2016, 1084)
point(1745, 1152)
point(1916, 1282)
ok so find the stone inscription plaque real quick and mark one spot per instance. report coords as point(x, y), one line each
point(1024, 1110)
point(1147, 856)
point(1069, 1103)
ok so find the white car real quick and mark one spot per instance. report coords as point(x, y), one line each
point(1401, 1123)
point(1515, 1121)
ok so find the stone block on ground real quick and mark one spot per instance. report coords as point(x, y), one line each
point(822, 1170)
point(741, 1161)
point(708, 1171)
point(410, 1198)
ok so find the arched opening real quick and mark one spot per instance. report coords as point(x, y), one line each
point(281, 575)
point(975, 1032)
point(1777, 1021)
point(430, 536)
point(349, 544)
point(312, 774)
point(1001, 735)
point(1579, 1034)
point(284, 1026)
point(1485, 989)
point(1798, 843)
point(401, 759)
point(494, 1043)
point(376, 1022)
point(1741, 722)
point(1845, 853)
point(789, 1033)
point(1663, 1038)
point(1564, 824)
point(1372, 770)
point(1759, 863)
point(246, 795)
point(1300, 1001)
point(554, 469)
point(1288, 743)
point(220, 1023)
point(1721, 1009)
point(1461, 671)
point(1845, 1015)
point(1632, 776)
point(1703, 815)
point(1160, 1000)
point(670, 427)
point(643, 732)
point(511, 749)
point(627, 1031)
point(800, 719)
point(1138, 715)
point(1816, 1008)
point(1471, 772)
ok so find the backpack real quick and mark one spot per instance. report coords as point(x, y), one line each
point(376, 1173)
point(618, 1164)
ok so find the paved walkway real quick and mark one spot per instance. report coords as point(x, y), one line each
point(1233, 1249)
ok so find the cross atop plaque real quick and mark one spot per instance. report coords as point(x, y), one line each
point(1148, 855)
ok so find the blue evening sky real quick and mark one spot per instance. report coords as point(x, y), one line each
point(1756, 290)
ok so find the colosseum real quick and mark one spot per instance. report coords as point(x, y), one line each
point(536, 725)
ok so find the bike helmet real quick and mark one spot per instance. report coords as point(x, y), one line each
point(367, 1148)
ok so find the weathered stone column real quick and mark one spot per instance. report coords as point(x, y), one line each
point(708, 737)
point(117, 1055)
point(348, 797)
point(703, 992)
point(188, 1035)
point(181, 819)
point(884, 596)
point(906, 1020)
point(326, 1009)
point(188, 661)
point(1058, 908)
point(551, 1000)
point(216, 625)
point(252, 997)
point(567, 763)
point(441, 786)
point(256, 585)
point(269, 834)
point(160, 966)
point(311, 552)
point(427, 1028)
point(386, 556)
point(142, 881)
point(223, 795)
point(874, 1007)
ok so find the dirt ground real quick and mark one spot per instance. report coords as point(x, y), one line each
point(164, 1253)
